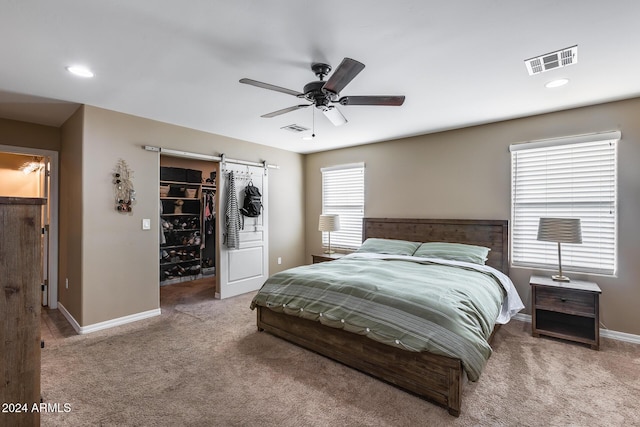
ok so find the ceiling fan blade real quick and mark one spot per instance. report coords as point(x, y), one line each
point(271, 87)
point(342, 76)
point(334, 115)
point(392, 101)
point(284, 110)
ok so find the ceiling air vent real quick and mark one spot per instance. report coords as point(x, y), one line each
point(295, 128)
point(550, 61)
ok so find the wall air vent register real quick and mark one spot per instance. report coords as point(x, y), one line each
point(295, 128)
point(553, 60)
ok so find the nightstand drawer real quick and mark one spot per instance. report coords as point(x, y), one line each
point(566, 301)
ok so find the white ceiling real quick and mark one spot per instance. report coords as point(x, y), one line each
point(458, 63)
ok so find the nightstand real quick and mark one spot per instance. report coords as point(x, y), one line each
point(567, 310)
point(326, 257)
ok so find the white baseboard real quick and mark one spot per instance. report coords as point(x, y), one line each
point(605, 333)
point(106, 324)
point(69, 317)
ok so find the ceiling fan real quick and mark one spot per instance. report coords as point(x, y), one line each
point(324, 93)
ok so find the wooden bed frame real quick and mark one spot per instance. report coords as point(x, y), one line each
point(433, 377)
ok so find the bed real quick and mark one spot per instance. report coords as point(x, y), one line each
point(435, 377)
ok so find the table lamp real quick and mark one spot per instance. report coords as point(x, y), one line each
point(329, 223)
point(560, 230)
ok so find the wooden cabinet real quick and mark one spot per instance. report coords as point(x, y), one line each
point(325, 257)
point(567, 310)
point(20, 302)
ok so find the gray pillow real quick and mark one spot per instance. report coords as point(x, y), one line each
point(388, 246)
point(453, 251)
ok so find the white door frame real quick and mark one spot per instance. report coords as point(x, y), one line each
point(53, 203)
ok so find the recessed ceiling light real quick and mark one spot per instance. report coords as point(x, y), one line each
point(557, 83)
point(80, 71)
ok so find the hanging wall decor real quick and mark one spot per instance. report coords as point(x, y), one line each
point(123, 190)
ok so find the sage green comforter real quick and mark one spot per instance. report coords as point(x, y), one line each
point(414, 304)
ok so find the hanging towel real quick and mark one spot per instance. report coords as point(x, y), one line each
point(232, 217)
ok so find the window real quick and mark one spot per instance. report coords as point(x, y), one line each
point(569, 177)
point(343, 194)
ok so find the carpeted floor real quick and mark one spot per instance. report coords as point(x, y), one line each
point(203, 363)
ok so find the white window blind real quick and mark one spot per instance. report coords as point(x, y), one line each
point(572, 179)
point(343, 194)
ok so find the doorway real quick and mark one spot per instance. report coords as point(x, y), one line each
point(29, 172)
point(188, 214)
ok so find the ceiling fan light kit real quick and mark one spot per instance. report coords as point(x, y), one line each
point(323, 93)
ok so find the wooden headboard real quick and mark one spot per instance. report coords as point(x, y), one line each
point(492, 234)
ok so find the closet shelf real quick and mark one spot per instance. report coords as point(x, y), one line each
point(178, 198)
point(169, 247)
point(183, 183)
point(182, 261)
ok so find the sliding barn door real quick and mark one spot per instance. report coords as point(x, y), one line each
point(245, 268)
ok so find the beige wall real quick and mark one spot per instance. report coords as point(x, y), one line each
point(70, 218)
point(111, 263)
point(466, 174)
point(29, 135)
point(119, 260)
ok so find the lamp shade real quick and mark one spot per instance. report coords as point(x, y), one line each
point(561, 230)
point(329, 223)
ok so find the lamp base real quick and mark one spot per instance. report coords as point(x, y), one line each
point(329, 251)
point(558, 278)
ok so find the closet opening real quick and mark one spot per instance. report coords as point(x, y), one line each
point(188, 213)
